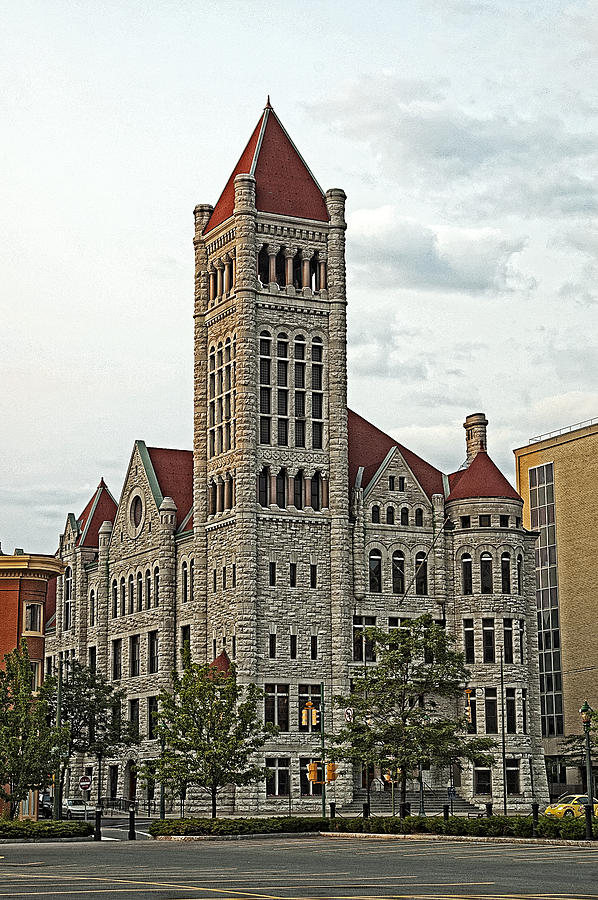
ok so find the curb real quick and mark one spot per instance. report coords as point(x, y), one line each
point(46, 840)
point(238, 837)
point(463, 838)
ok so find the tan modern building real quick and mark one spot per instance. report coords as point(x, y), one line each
point(557, 476)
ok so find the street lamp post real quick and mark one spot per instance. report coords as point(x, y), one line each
point(586, 717)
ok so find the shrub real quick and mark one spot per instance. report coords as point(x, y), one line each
point(35, 831)
point(271, 825)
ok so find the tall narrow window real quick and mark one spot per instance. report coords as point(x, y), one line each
point(404, 516)
point(375, 514)
point(419, 517)
point(276, 705)
point(398, 572)
point(520, 575)
point(152, 652)
point(486, 573)
point(466, 574)
point(148, 589)
point(134, 655)
point(117, 649)
point(513, 781)
point(511, 711)
point(92, 610)
point(375, 568)
point(316, 491)
point(292, 574)
point(272, 646)
point(491, 711)
point(314, 646)
point(156, 587)
point(131, 594)
point(524, 710)
point(390, 515)
point(139, 591)
point(313, 576)
point(521, 639)
point(272, 573)
point(508, 640)
point(421, 574)
point(123, 596)
point(263, 486)
point(488, 640)
point(114, 600)
point(67, 619)
point(363, 647)
point(468, 640)
point(505, 573)
point(281, 489)
point(293, 646)
point(298, 490)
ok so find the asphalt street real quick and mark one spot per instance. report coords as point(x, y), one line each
point(298, 869)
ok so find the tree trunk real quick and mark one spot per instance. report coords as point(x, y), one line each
point(214, 802)
point(403, 788)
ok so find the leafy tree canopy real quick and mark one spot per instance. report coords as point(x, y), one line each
point(211, 729)
point(29, 747)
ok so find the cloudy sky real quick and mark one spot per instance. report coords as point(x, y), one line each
point(463, 131)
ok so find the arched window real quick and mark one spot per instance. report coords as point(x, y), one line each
point(419, 517)
point(298, 490)
point(375, 515)
point(263, 266)
point(263, 487)
point(185, 580)
point(505, 573)
point(486, 573)
point(375, 572)
point(404, 516)
point(520, 574)
point(390, 515)
point(300, 346)
point(466, 574)
point(92, 608)
point(316, 491)
point(282, 345)
point(398, 572)
point(139, 591)
point(114, 599)
point(213, 497)
point(281, 489)
point(131, 594)
point(421, 574)
point(67, 619)
point(123, 597)
point(148, 589)
point(156, 586)
point(191, 578)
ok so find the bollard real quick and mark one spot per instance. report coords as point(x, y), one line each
point(333, 810)
point(366, 810)
point(589, 811)
point(489, 809)
point(97, 834)
point(535, 811)
point(132, 835)
point(445, 812)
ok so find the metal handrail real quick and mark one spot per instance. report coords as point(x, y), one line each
point(559, 431)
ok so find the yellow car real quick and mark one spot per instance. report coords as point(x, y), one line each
point(570, 805)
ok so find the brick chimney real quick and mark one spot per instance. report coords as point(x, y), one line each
point(475, 435)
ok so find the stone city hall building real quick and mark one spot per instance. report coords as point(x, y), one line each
point(294, 523)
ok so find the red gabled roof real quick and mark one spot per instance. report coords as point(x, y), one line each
point(174, 471)
point(284, 184)
point(368, 447)
point(100, 508)
point(221, 663)
point(481, 479)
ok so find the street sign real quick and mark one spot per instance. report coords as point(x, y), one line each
point(349, 714)
point(85, 783)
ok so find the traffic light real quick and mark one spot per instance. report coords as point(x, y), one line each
point(331, 773)
point(468, 713)
point(387, 776)
point(309, 714)
point(312, 771)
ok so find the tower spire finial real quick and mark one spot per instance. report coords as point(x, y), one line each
point(268, 104)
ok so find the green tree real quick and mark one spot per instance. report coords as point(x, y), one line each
point(401, 706)
point(29, 746)
point(211, 729)
point(91, 710)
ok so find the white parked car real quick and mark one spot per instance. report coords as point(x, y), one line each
point(74, 808)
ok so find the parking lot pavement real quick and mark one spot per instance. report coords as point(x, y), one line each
point(298, 869)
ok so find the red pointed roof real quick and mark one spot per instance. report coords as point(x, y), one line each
point(100, 508)
point(284, 184)
point(221, 663)
point(368, 447)
point(174, 471)
point(481, 479)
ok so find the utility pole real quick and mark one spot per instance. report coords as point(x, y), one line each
point(322, 749)
point(57, 812)
point(503, 736)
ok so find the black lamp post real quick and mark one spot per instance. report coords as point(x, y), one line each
point(586, 717)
